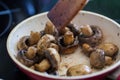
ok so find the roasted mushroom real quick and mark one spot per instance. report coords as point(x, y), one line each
point(87, 49)
point(68, 43)
point(51, 62)
point(74, 28)
point(68, 38)
point(34, 38)
point(97, 59)
point(94, 38)
point(53, 45)
point(31, 52)
point(78, 70)
point(23, 59)
point(23, 43)
point(44, 43)
point(50, 29)
point(108, 60)
point(110, 49)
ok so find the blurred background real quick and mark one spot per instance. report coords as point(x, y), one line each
point(13, 12)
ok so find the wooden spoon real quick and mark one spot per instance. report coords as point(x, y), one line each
point(64, 11)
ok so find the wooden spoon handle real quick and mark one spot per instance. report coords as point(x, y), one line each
point(64, 11)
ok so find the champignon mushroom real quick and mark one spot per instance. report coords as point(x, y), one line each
point(50, 29)
point(23, 59)
point(97, 59)
point(86, 30)
point(87, 49)
point(44, 43)
point(51, 62)
point(110, 49)
point(94, 38)
point(78, 70)
point(23, 43)
point(108, 60)
point(74, 28)
point(31, 52)
point(34, 38)
point(67, 43)
point(64, 30)
point(68, 38)
point(53, 45)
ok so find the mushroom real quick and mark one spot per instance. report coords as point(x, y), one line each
point(87, 49)
point(97, 59)
point(34, 38)
point(31, 52)
point(50, 29)
point(24, 60)
point(68, 43)
point(23, 43)
point(64, 30)
point(108, 60)
point(110, 49)
point(53, 45)
point(78, 70)
point(74, 28)
point(93, 37)
point(44, 43)
point(51, 62)
point(68, 38)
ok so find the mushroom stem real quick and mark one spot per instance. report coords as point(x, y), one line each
point(43, 65)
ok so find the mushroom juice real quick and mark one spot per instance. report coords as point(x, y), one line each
point(75, 51)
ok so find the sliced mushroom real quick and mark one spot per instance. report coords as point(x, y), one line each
point(78, 70)
point(51, 62)
point(23, 43)
point(109, 48)
point(44, 43)
point(97, 59)
point(94, 39)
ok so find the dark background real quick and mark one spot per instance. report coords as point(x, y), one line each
point(27, 8)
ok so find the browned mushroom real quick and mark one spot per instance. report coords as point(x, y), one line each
point(24, 60)
point(44, 43)
point(94, 38)
point(34, 38)
point(109, 48)
point(87, 49)
point(50, 29)
point(51, 62)
point(74, 28)
point(68, 43)
point(23, 43)
point(78, 70)
point(108, 60)
point(97, 59)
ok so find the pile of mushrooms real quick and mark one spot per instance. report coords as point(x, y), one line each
point(41, 51)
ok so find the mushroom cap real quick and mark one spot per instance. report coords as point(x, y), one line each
point(97, 59)
point(67, 49)
point(78, 70)
point(110, 49)
point(53, 57)
point(93, 40)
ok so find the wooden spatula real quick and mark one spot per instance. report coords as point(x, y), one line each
point(64, 11)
